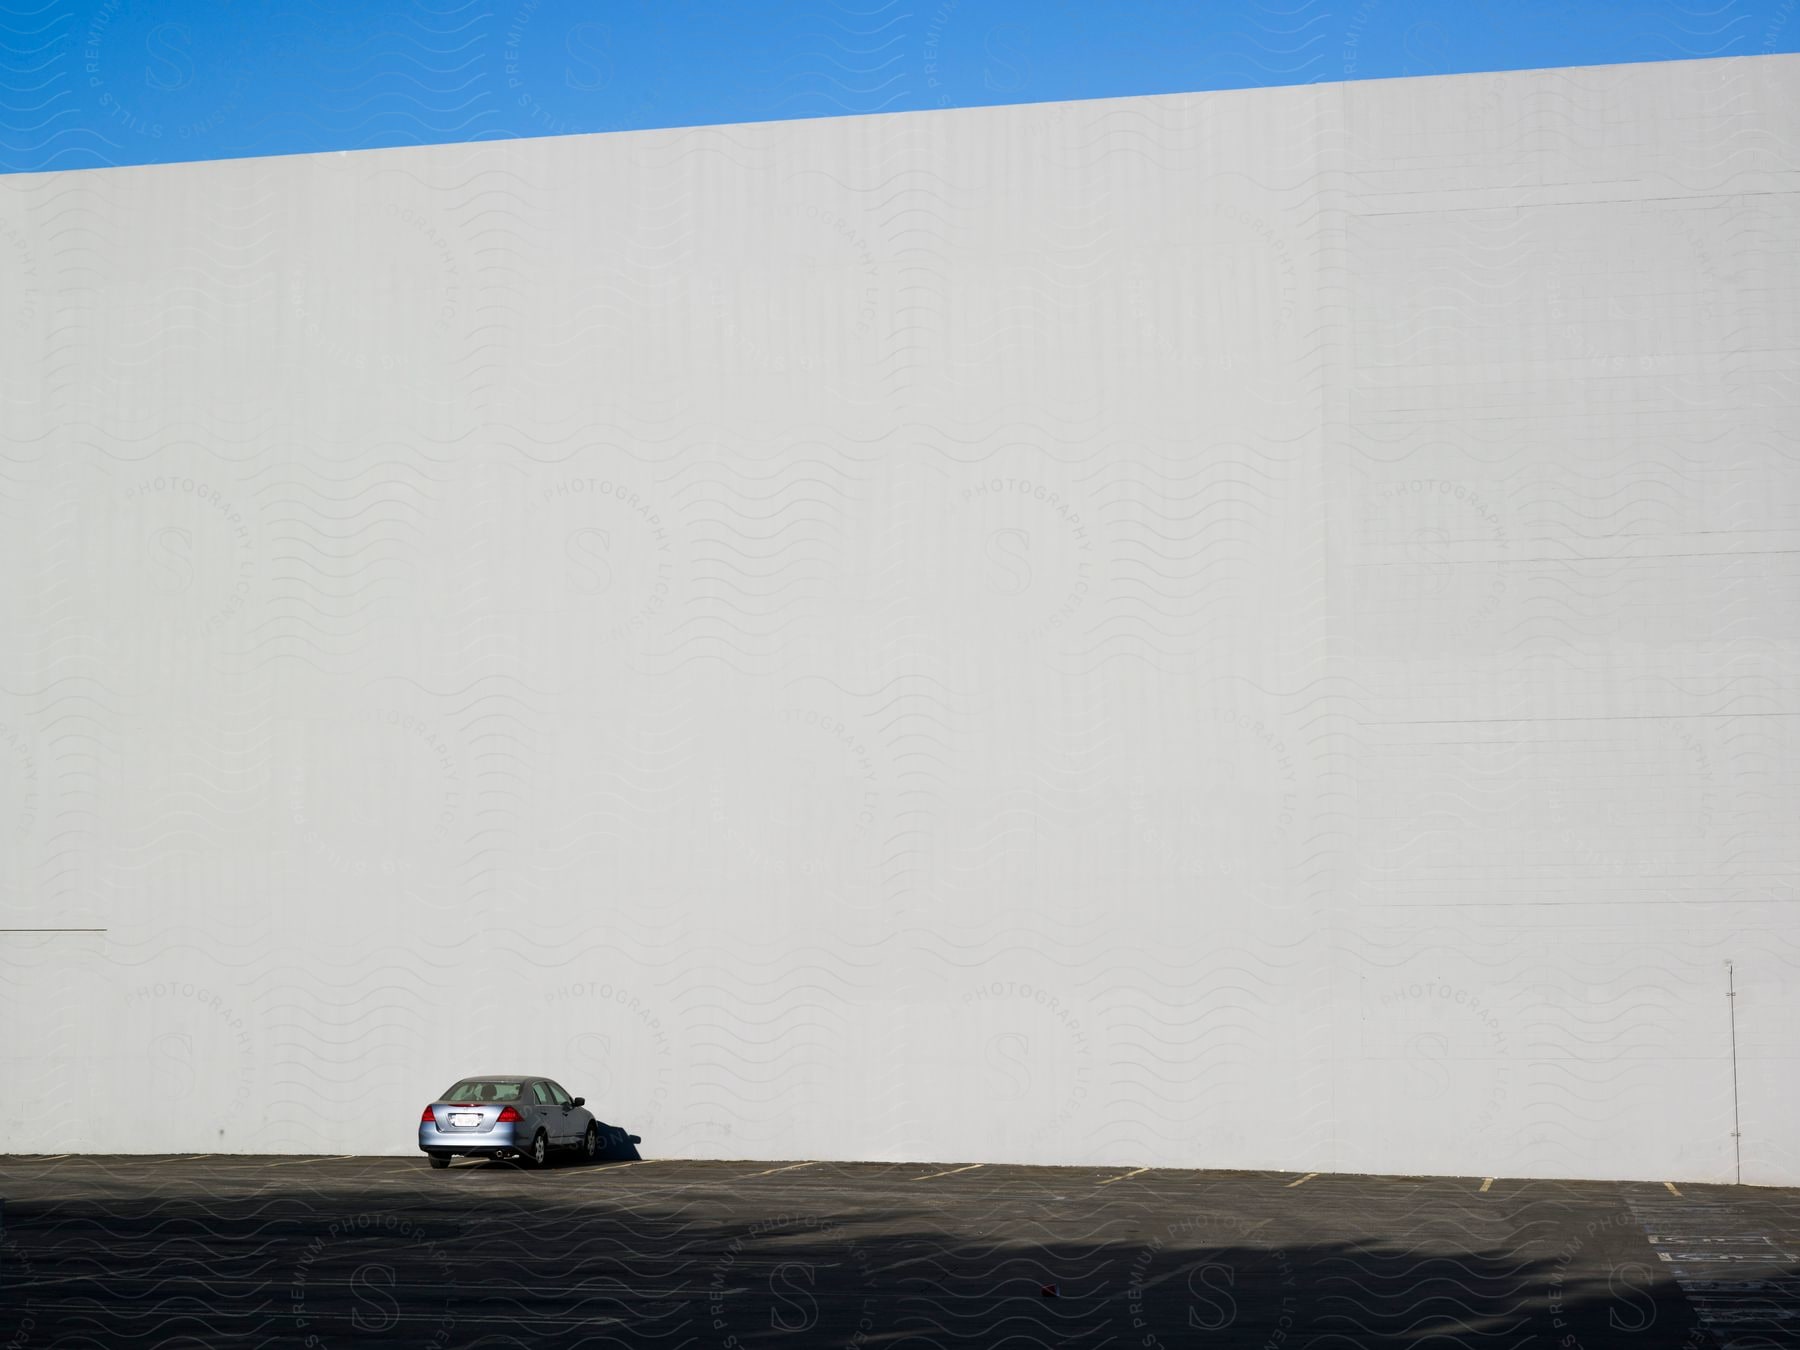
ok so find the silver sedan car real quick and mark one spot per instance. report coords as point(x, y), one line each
point(507, 1116)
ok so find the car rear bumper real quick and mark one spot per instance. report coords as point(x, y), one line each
point(502, 1137)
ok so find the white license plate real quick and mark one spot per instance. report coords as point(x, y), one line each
point(465, 1118)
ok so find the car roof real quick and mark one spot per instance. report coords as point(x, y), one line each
point(503, 1077)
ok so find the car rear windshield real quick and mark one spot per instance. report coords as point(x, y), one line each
point(485, 1090)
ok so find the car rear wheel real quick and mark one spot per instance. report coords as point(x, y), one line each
point(439, 1159)
point(540, 1150)
point(590, 1143)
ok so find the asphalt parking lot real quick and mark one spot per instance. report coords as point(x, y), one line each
point(315, 1252)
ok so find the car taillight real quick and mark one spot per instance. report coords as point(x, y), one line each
point(508, 1114)
point(428, 1116)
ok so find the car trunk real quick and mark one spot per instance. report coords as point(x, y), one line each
point(467, 1117)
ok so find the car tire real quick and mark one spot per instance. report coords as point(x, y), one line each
point(439, 1159)
point(590, 1143)
point(540, 1150)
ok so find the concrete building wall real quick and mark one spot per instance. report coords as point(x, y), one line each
point(1246, 629)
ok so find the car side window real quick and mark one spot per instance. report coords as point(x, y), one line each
point(562, 1098)
point(542, 1093)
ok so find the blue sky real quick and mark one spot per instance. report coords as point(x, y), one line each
point(126, 82)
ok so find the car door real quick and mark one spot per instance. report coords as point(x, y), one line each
point(575, 1118)
point(545, 1108)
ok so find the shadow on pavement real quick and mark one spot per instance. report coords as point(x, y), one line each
point(473, 1256)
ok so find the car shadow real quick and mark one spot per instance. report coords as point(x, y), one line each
point(617, 1145)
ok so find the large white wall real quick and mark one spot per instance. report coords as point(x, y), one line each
point(1247, 629)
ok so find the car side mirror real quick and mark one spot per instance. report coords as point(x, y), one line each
point(581, 1101)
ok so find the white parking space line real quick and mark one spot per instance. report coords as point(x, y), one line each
point(952, 1172)
point(600, 1168)
point(1671, 1186)
point(302, 1162)
point(1486, 1182)
point(246, 1286)
point(1126, 1177)
point(789, 1168)
point(1303, 1180)
point(391, 1315)
point(907, 1261)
